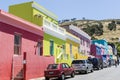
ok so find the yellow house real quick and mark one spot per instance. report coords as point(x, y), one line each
point(71, 49)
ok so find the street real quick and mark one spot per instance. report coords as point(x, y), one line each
point(110, 73)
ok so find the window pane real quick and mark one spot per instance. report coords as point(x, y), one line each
point(51, 48)
point(17, 44)
point(17, 39)
point(40, 47)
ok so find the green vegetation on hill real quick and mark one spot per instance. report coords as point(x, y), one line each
point(95, 29)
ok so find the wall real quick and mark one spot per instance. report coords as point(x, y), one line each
point(28, 13)
point(93, 50)
point(46, 44)
point(104, 43)
point(74, 50)
point(29, 41)
point(6, 51)
point(36, 65)
point(23, 10)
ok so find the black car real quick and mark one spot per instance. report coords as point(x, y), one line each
point(97, 63)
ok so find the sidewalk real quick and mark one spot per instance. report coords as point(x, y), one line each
point(41, 78)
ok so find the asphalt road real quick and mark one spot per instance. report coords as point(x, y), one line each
point(110, 73)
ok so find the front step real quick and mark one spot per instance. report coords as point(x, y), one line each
point(19, 78)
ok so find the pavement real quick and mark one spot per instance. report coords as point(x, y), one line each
point(41, 78)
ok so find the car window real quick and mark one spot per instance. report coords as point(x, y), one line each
point(53, 66)
point(78, 62)
point(63, 66)
point(67, 66)
point(89, 62)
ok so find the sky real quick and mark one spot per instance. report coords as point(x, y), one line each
point(68, 9)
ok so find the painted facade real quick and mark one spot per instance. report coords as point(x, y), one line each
point(22, 42)
point(33, 12)
point(103, 43)
point(85, 40)
point(96, 50)
point(72, 48)
point(104, 48)
point(54, 36)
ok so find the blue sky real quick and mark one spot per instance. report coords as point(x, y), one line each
point(67, 9)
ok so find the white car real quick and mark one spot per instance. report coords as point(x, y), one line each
point(82, 66)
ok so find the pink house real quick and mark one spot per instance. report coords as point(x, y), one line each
point(21, 49)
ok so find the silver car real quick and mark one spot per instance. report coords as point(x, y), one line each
point(82, 66)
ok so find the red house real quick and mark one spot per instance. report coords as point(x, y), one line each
point(21, 49)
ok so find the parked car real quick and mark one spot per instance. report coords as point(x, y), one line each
point(59, 71)
point(82, 66)
point(97, 63)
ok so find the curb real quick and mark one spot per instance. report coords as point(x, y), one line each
point(41, 78)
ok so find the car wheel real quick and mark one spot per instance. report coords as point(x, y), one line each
point(72, 74)
point(91, 70)
point(62, 77)
point(46, 78)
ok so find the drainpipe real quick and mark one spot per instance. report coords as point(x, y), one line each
point(12, 69)
point(24, 65)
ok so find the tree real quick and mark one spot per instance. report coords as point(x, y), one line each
point(95, 29)
point(118, 47)
point(112, 26)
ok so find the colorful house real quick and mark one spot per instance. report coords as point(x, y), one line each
point(21, 44)
point(85, 40)
point(71, 48)
point(54, 36)
point(97, 50)
point(104, 48)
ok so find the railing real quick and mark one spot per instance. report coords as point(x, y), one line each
point(53, 26)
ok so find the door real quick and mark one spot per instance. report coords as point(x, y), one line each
point(65, 69)
point(69, 71)
point(51, 47)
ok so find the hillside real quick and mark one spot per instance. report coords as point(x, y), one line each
point(109, 35)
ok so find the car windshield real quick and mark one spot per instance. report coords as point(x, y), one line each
point(78, 62)
point(53, 66)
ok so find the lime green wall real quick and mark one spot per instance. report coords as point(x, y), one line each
point(27, 12)
point(46, 45)
point(23, 10)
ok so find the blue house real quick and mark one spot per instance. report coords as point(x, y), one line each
point(101, 48)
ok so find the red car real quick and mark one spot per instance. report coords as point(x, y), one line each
point(58, 71)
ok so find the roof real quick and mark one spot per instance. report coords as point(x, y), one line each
point(20, 23)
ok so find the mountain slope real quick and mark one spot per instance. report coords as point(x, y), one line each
point(109, 35)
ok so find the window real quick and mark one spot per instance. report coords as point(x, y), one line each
point(71, 51)
point(52, 66)
point(78, 49)
point(17, 44)
point(63, 66)
point(51, 47)
point(67, 66)
point(40, 48)
point(70, 48)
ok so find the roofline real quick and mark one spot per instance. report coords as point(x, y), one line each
point(44, 10)
point(20, 23)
